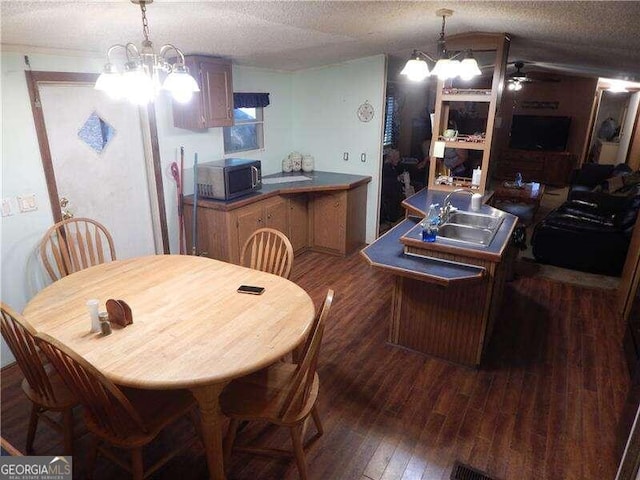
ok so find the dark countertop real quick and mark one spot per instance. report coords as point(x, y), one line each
point(387, 252)
point(320, 182)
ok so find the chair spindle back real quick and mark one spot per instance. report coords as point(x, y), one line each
point(268, 250)
point(20, 336)
point(75, 244)
point(105, 405)
point(306, 369)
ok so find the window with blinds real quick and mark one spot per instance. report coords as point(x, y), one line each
point(389, 117)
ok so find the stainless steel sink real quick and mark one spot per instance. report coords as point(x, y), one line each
point(478, 220)
point(466, 234)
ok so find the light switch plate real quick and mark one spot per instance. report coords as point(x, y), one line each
point(27, 203)
point(6, 207)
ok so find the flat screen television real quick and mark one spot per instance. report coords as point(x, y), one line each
point(538, 132)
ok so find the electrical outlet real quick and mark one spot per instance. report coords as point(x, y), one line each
point(345, 156)
point(363, 157)
point(27, 203)
point(6, 207)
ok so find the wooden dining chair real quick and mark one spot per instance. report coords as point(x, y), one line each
point(41, 384)
point(284, 394)
point(126, 418)
point(268, 250)
point(75, 244)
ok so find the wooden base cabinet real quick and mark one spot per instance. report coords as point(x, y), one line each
point(270, 213)
point(298, 222)
point(332, 222)
point(338, 220)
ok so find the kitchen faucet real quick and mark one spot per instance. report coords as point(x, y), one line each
point(447, 208)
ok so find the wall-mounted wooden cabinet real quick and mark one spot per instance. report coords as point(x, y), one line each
point(213, 105)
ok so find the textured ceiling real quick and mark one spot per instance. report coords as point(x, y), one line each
point(592, 38)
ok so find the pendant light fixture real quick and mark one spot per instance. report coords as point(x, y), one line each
point(139, 79)
point(446, 67)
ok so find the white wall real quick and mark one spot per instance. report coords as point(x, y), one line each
point(22, 173)
point(325, 101)
point(312, 111)
point(208, 143)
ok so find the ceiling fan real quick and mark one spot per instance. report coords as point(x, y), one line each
point(517, 79)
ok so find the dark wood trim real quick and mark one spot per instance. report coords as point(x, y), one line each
point(157, 172)
point(34, 79)
point(63, 77)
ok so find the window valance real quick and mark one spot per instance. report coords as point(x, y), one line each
point(250, 100)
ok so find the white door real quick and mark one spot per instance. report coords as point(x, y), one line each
point(626, 129)
point(98, 160)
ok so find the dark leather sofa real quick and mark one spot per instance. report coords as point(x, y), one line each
point(591, 231)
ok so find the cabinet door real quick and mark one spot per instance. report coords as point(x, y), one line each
point(329, 218)
point(248, 220)
point(276, 214)
point(298, 222)
point(217, 93)
point(213, 105)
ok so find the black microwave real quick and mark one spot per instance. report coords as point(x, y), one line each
point(228, 178)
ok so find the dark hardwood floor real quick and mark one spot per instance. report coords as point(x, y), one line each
point(547, 403)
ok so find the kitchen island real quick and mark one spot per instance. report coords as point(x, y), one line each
point(447, 293)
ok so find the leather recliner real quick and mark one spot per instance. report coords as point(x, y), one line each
point(590, 232)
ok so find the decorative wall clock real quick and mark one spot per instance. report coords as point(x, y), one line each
point(365, 112)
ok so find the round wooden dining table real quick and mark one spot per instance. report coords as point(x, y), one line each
point(191, 328)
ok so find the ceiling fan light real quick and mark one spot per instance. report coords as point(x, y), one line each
point(514, 86)
point(415, 70)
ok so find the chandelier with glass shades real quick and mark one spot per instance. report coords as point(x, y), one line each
point(145, 72)
point(446, 66)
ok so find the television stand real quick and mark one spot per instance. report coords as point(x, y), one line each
point(550, 168)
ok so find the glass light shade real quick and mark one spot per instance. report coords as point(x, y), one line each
point(446, 68)
point(110, 82)
point(181, 85)
point(416, 70)
point(453, 69)
point(138, 86)
point(469, 69)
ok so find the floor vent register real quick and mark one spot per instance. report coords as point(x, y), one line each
point(464, 472)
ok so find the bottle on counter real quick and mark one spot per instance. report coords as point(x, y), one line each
point(518, 182)
point(430, 224)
